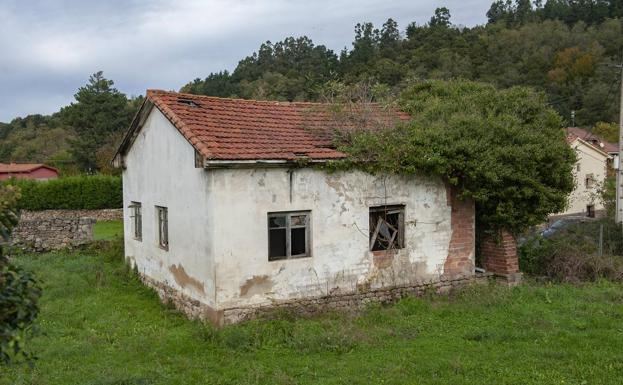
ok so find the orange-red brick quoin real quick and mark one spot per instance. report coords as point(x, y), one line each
point(460, 259)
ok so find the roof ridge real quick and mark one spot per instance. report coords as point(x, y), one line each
point(251, 101)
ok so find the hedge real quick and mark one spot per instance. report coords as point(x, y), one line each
point(79, 192)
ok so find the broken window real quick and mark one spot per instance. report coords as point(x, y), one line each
point(288, 235)
point(163, 227)
point(137, 220)
point(387, 227)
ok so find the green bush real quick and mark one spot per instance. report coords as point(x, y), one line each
point(572, 255)
point(80, 192)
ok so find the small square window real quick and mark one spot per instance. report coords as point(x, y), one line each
point(387, 227)
point(590, 211)
point(163, 227)
point(137, 220)
point(288, 235)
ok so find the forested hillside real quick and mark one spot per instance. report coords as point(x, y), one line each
point(566, 48)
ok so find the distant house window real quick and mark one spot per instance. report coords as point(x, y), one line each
point(137, 220)
point(589, 181)
point(163, 227)
point(387, 227)
point(577, 167)
point(288, 235)
point(590, 211)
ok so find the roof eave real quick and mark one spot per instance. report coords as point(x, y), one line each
point(129, 137)
point(263, 163)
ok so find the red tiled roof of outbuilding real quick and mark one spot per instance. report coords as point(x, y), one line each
point(594, 140)
point(239, 129)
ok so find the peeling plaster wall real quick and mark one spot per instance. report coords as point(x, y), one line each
point(339, 205)
point(160, 171)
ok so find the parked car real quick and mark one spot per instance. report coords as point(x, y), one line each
point(561, 224)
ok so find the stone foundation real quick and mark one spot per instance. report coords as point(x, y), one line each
point(52, 234)
point(348, 303)
point(99, 215)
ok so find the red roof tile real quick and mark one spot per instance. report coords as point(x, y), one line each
point(21, 167)
point(596, 141)
point(238, 129)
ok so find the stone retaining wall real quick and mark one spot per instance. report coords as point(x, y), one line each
point(353, 302)
point(52, 233)
point(99, 215)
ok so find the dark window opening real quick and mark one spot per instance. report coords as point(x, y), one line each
point(137, 220)
point(288, 235)
point(163, 227)
point(590, 211)
point(387, 227)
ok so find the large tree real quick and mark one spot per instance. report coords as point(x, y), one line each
point(505, 149)
point(99, 114)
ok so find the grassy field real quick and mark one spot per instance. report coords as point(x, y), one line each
point(99, 325)
point(107, 230)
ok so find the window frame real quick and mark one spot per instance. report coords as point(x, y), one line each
point(388, 209)
point(288, 227)
point(162, 217)
point(137, 220)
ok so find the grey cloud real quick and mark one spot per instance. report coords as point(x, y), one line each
point(50, 47)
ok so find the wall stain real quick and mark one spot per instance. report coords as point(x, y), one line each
point(183, 279)
point(258, 284)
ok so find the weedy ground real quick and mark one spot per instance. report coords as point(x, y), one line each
point(100, 325)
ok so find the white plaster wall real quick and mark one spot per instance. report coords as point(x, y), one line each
point(593, 162)
point(339, 205)
point(160, 171)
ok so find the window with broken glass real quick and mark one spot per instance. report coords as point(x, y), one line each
point(163, 227)
point(387, 227)
point(137, 220)
point(288, 235)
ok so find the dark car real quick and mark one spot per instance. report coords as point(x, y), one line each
point(561, 224)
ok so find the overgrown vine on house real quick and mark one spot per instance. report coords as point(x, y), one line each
point(503, 148)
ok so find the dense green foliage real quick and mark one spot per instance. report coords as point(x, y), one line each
point(78, 192)
point(82, 137)
point(99, 325)
point(558, 48)
point(100, 113)
point(503, 148)
point(19, 291)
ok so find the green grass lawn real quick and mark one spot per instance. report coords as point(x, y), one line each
point(99, 325)
point(107, 230)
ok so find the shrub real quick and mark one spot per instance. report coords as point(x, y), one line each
point(80, 192)
point(572, 255)
point(19, 291)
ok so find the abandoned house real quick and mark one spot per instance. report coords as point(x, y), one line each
point(227, 211)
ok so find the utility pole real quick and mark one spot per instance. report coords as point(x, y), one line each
point(619, 192)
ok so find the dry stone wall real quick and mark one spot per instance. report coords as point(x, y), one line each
point(52, 233)
point(99, 215)
point(47, 230)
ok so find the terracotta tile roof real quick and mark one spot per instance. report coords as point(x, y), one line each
point(238, 129)
point(596, 141)
point(21, 167)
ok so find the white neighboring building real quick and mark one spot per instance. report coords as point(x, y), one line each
point(224, 210)
point(590, 172)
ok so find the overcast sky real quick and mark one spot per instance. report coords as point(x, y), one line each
point(49, 48)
